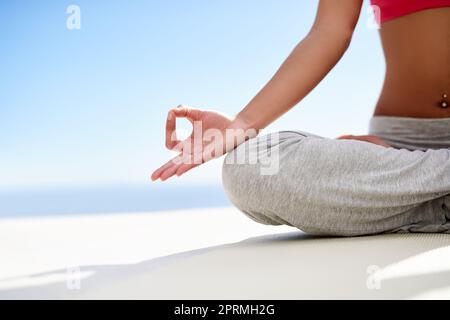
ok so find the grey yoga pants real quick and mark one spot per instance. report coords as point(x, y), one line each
point(346, 187)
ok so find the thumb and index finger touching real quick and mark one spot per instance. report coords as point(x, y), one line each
point(181, 111)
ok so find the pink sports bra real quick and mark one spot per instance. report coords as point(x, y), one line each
point(390, 9)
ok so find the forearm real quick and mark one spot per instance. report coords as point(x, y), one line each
point(306, 66)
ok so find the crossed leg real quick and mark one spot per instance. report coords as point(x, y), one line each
point(340, 187)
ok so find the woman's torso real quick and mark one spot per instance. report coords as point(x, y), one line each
point(417, 52)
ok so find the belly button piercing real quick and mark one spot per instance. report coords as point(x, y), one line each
point(444, 103)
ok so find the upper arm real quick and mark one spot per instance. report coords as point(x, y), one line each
point(339, 16)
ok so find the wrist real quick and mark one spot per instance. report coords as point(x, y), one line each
point(242, 121)
point(238, 131)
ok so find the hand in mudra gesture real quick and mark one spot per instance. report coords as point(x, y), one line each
point(207, 141)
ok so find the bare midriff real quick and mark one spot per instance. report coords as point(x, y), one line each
point(417, 52)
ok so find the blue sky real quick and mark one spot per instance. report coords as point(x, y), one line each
point(88, 106)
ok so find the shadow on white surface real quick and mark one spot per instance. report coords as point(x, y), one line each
point(290, 265)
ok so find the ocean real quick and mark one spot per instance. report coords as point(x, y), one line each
point(108, 199)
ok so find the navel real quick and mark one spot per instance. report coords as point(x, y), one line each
point(444, 102)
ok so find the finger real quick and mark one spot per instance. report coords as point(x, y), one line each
point(186, 144)
point(378, 141)
point(175, 161)
point(208, 154)
point(369, 138)
point(169, 172)
point(155, 175)
point(189, 113)
point(185, 168)
point(346, 136)
point(180, 112)
point(171, 134)
point(198, 158)
point(365, 138)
